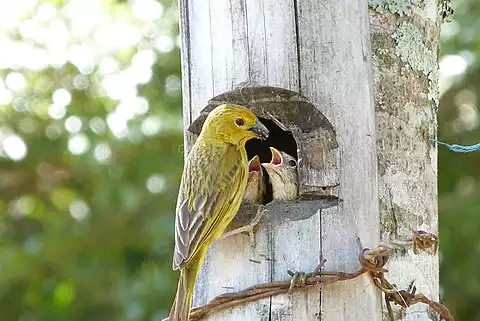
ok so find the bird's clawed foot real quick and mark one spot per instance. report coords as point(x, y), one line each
point(249, 228)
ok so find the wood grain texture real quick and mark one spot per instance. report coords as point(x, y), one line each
point(321, 49)
point(335, 73)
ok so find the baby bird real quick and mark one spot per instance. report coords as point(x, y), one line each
point(282, 171)
point(255, 186)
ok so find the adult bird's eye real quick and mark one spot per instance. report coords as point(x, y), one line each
point(292, 163)
point(239, 121)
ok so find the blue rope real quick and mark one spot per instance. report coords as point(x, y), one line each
point(459, 148)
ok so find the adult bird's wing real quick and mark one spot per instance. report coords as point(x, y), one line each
point(203, 202)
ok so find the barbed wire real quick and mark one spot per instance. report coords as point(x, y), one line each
point(372, 261)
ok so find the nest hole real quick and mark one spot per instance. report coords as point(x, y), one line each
point(278, 138)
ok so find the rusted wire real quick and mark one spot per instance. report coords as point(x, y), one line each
point(407, 298)
point(423, 240)
point(372, 261)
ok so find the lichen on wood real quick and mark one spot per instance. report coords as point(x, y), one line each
point(400, 7)
point(412, 48)
point(405, 65)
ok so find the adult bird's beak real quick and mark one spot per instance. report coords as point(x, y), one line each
point(254, 164)
point(277, 158)
point(260, 130)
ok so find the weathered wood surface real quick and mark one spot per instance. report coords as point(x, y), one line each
point(405, 81)
point(321, 49)
point(335, 72)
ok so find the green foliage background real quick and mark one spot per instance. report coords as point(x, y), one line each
point(82, 237)
point(86, 208)
point(459, 174)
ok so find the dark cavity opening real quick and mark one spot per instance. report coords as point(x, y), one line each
point(278, 138)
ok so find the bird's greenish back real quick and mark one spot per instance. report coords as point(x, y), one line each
point(214, 180)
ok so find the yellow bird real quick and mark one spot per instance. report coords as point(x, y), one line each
point(211, 191)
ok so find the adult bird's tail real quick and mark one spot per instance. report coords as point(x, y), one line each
point(183, 299)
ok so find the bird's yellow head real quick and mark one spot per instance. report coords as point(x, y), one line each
point(233, 124)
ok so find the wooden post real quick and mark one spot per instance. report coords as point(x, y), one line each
point(322, 50)
point(405, 41)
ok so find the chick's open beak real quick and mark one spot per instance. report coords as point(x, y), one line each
point(277, 158)
point(260, 130)
point(254, 164)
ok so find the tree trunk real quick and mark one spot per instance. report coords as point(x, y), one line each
point(405, 41)
point(322, 50)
